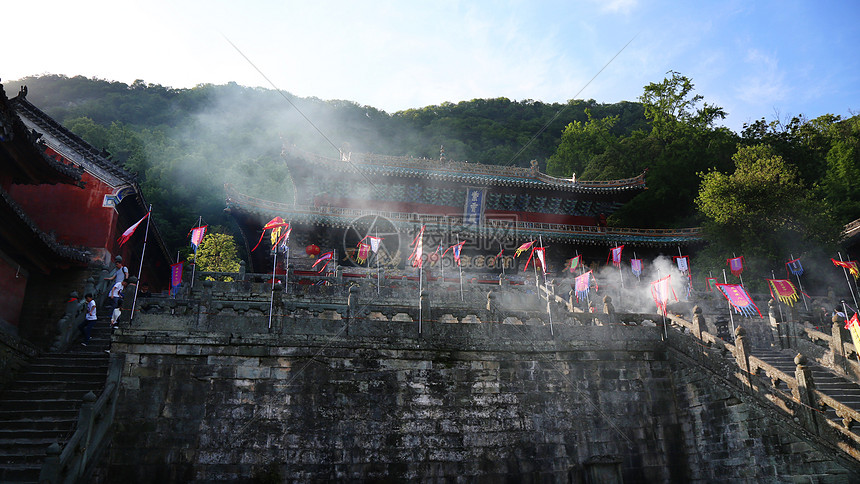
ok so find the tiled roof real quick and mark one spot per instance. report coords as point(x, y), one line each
point(372, 165)
point(345, 218)
point(48, 126)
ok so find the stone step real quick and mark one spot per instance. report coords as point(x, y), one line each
point(54, 385)
point(39, 404)
point(75, 360)
point(72, 367)
point(72, 376)
point(31, 433)
point(11, 415)
point(20, 446)
point(55, 424)
point(75, 394)
point(20, 472)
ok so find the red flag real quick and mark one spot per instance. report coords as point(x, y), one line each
point(736, 265)
point(275, 225)
point(175, 278)
point(523, 248)
point(363, 252)
point(661, 289)
point(418, 249)
point(197, 234)
point(130, 231)
point(324, 257)
point(615, 255)
point(853, 322)
point(849, 264)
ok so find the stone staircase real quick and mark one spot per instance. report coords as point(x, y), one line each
point(41, 406)
point(835, 386)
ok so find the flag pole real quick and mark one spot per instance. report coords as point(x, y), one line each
point(378, 283)
point(420, 281)
point(621, 275)
point(731, 317)
point(802, 295)
point(194, 265)
point(740, 275)
point(638, 277)
point(140, 268)
point(272, 296)
point(781, 317)
point(442, 262)
point(848, 281)
point(546, 286)
point(461, 270)
point(502, 249)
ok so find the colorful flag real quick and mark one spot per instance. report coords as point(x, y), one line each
point(736, 265)
point(636, 267)
point(501, 251)
point(849, 264)
point(130, 231)
point(574, 263)
point(683, 263)
point(784, 290)
point(374, 243)
point(276, 223)
point(711, 283)
point(456, 251)
point(523, 248)
point(541, 255)
point(615, 255)
point(794, 267)
point(661, 289)
point(739, 299)
point(175, 278)
point(417, 249)
point(285, 240)
point(197, 234)
point(853, 327)
point(581, 286)
point(328, 256)
point(363, 252)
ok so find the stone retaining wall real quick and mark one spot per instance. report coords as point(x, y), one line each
point(461, 402)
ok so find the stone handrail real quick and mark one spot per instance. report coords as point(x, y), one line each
point(831, 350)
point(75, 314)
point(71, 463)
point(795, 397)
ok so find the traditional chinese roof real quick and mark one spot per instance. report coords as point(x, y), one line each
point(373, 166)
point(22, 152)
point(342, 218)
point(70, 145)
point(22, 239)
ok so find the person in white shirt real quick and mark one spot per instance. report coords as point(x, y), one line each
point(86, 327)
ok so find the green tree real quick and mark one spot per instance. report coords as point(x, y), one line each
point(580, 143)
point(217, 253)
point(762, 210)
point(669, 104)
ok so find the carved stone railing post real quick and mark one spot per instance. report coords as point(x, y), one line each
point(351, 306)
point(805, 387)
point(205, 304)
point(780, 327)
point(241, 275)
point(425, 312)
point(50, 473)
point(609, 310)
point(835, 358)
point(742, 353)
point(699, 325)
point(571, 299)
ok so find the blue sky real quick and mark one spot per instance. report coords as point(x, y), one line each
point(755, 59)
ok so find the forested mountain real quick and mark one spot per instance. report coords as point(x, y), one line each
point(184, 144)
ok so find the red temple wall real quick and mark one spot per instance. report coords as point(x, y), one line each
point(11, 292)
point(536, 217)
point(75, 214)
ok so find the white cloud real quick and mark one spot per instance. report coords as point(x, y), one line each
point(764, 82)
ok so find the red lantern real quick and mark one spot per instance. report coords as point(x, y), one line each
point(312, 250)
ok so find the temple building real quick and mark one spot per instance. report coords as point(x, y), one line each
point(63, 205)
point(339, 201)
